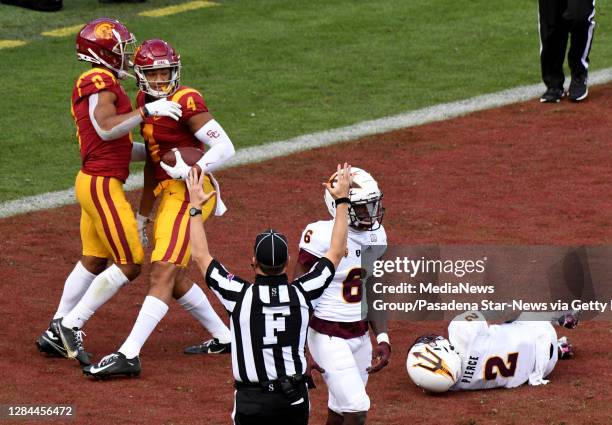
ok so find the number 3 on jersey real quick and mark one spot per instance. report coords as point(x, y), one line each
point(352, 286)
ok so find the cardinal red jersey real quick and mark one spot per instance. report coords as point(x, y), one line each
point(162, 133)
point(109, 158)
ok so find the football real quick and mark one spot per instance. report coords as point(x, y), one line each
point(190, 155)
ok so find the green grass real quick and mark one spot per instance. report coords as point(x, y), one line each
point(270, 70)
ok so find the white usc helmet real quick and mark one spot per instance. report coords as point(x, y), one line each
point(433, 364)
point(366, 211)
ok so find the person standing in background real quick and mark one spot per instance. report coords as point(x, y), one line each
point(558, 20)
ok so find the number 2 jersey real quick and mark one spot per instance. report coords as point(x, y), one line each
point(502, 356)
point(108, 158)
point(341, 301)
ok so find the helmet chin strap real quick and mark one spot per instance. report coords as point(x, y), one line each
point(120, 73)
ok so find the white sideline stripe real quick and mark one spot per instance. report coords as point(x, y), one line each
point(324, 138)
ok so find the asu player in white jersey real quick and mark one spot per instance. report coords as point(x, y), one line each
point(338, 337)
point(478, 356)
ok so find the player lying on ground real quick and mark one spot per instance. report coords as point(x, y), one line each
point(104, 117)
point(479, 356)
point(338, 337)
point(157, 66)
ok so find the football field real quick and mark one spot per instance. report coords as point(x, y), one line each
point(519, 174)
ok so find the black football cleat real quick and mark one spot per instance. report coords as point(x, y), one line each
point(115, 364)
point(552, 95)
point(212, 346)
point(578, 89)
point(51, 344)
point(72, 339)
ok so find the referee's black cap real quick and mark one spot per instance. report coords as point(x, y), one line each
point(271, 248)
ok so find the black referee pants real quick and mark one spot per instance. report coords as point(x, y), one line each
point(254, 407)
point(558, 20)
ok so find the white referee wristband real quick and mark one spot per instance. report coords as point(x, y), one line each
point(383, 337)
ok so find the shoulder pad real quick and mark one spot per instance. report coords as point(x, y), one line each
point(316, 237)
point(94, 81)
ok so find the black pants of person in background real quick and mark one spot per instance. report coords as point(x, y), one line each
point(254, 407)
point(561, 20)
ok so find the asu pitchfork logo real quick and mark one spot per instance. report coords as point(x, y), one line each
point(434, 363)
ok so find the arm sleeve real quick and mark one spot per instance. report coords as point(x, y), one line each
point(316, 280)
point(227, 287)
point(220, 147)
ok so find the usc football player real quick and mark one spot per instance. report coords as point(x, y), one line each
point(104, 117)
point(158, 68)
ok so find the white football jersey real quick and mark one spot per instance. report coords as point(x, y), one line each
point(506, 355)
point(341, 301)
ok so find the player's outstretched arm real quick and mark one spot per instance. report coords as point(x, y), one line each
point(339, 190)
point(197, 198)
point(110, 126)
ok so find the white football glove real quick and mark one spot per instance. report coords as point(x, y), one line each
point(180, 171)
point(142, 229)
point(163, 108)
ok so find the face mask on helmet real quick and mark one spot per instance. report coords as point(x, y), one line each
point(433, 364)
point(158, 68)
point(365, 211)
point(366, 214)
point(158, 87)
point(106, 42)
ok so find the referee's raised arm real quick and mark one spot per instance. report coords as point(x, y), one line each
point(197, 198)
point(339, 190)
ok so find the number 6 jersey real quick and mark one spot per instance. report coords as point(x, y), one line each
point(341, 301)
point(507, 355)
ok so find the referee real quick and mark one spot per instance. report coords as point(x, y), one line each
point(560, 21)
point(269, 319)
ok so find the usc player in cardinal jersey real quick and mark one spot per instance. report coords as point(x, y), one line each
point(157, 67)
point(104, 117)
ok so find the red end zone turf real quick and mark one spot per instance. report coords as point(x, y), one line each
point(523, 174)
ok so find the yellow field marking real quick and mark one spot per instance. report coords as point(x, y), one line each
point(63, 32)
point(171, 10)
point(7, 44)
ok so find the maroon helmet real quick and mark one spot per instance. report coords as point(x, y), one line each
point(106, 42)
point(153, 55)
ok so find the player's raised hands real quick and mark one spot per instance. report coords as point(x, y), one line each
point(195, 185)
point(340, 184)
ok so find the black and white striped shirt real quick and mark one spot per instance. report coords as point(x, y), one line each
point(269, 320)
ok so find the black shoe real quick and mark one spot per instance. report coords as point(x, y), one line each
point(72, 339)
point(212, 346)
point(114, 364)
point(552, 95)
point(578, 89)
point(50, 343)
